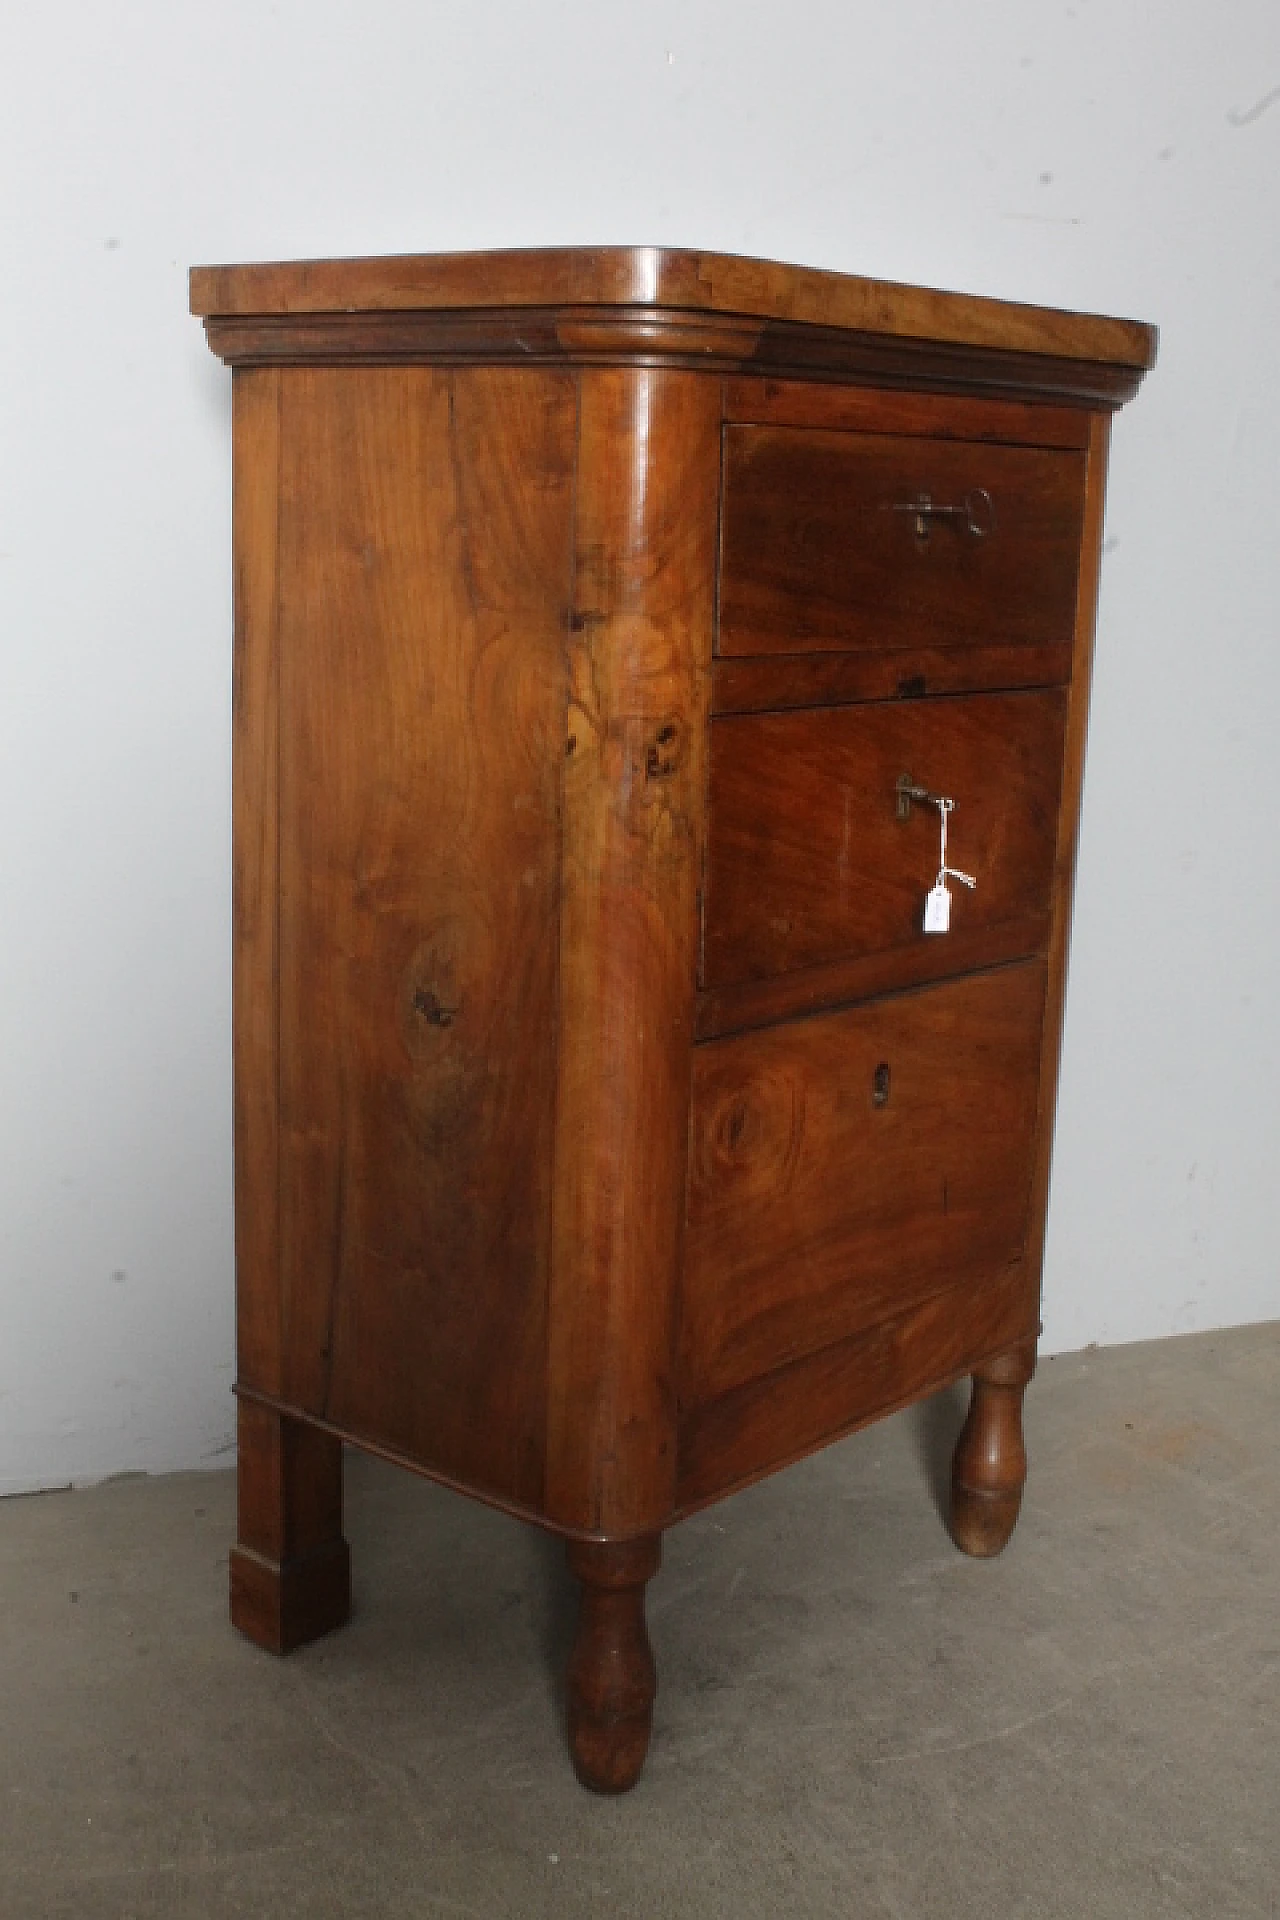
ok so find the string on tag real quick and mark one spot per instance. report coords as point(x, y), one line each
point(937, 906)
point(966, 879)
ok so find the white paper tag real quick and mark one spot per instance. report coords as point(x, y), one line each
point(937, 910)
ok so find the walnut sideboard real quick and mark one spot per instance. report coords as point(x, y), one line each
point(611, 626)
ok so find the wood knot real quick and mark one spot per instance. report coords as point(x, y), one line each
point(442, 990)
point(432, 1009)
point(662, 755)
point(750, 1137)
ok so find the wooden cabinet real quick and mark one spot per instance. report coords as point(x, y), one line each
point(610, 627)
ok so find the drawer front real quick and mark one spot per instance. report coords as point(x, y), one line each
point(844, 1169)
point(818, 551)
point(808, 860)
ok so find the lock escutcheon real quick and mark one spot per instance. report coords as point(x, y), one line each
point(976, 512)
point(906, 791)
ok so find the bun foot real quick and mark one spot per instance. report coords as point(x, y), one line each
point(612, 1677)
point(990, 1466)
point(982, 1523)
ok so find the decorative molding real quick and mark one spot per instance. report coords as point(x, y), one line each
point(660, 336)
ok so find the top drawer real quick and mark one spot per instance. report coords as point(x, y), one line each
point(826, 544)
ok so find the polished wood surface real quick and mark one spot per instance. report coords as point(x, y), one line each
point(820, 549)
point(808, 860)
point(255, 883)
point(633, 753)
point(424, 563)
point(845, 981)
point(608, 1131)
point(740, 1436)
point(612, 1679)
point(1068, 829)
point(649, 304)
point(880, 673)
point(990, 1466)
point(844, 1168)
point(750, 400)
point(672, 337)
point(664, 277)
point(290, 1567)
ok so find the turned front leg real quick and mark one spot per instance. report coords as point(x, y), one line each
point(290, 1567)
point(990, 1466)
point(612, 1677)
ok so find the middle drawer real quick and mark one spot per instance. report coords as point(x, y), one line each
point(808, 859)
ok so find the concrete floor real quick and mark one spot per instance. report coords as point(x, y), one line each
point(852, 1719)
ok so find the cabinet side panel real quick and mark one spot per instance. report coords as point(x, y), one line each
point(254, 749)
point(1068, 831)
point(425, 567)
point(634, 770)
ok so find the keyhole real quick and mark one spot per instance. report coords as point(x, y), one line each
point(880, 1085)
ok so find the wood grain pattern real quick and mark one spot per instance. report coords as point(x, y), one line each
point(256, 402)
point(750, 400)
point(808, 861)
point(290, 1568)
point(764, 685)
point(424, 568)
point(728, 1442)
point(492, 336)
point(634, 759)
point(844, 981)
point(665, 277)
point(845, 1168)
point(989, 1470)
point(608, 1132)
point(612, 1679)
point(656, 336)
point(1067, 835)
point(817, 555)
point(529, 1511)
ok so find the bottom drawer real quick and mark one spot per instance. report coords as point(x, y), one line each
point(847, 1167)
point(725, 1443)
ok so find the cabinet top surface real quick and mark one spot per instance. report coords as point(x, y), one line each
point(672, 279)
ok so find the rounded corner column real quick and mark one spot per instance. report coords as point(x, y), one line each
point(639, 639)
